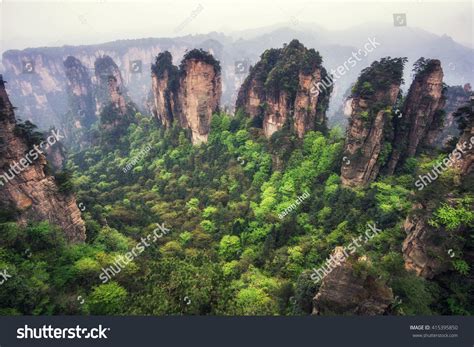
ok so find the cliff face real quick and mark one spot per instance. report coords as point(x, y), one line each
point(81, 93)
point(189, 95)
point(422, 116)
point(165, 78)
point(424, 249)
point(110, 89)
point(28, 190)
point(342, 292)
point(113, 105)
point(42, 96)
point(456, 96)
point(285, 87)
point(200, 91)
point(369, 130)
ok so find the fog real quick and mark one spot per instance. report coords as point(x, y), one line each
point(33, 24)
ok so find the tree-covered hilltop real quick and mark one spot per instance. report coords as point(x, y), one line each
point(227, 251)
point(284, 90)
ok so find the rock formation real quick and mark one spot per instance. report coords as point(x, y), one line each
point(188, 95)
point(369, 132)
point(425, 248)
point(456, 97)
point(110, 88)
point(287, 86)
point(114, 107)
point(165, 84)
point(25, 188)
point(81, 94)
point(421, 116)
point(464, 117)
point(343, 292)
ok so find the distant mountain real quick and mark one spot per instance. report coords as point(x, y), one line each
point(41, 96)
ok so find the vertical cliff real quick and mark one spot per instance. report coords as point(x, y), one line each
point(456, 97)
point(165, 84)
point(113, 105)
point(25, 188)
point(369, 133)
point(421, 117)
point(343, 292)
point(285, 87)
point(189, 95)
point(81, 95)
point(110, 88)
point(425, 249)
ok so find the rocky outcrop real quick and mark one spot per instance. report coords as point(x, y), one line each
point(113, 105)
point(369, 132)
point(421, 117)
point(456, 97)
point(344, 292)
point(81, 93)
point(25, 188)
point(189, 95)
point(464, 163)
point(110, 88)
point(424, 249)
point(286, 87)
point(56, 156)
point(165, 85)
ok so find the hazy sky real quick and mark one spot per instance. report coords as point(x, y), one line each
point(38, 23)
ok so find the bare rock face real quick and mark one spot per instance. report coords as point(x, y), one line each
point(424, 249)
point(344, 292)
point(165, 84)
point(81, 93)
point(56, 156)
point(110, 85)
point(32, 194)
point(189, 95)
point(199, 94)
point(422, 116)
point(284, 87)
point(465, 144)
point(116, 111)
point(369, 130)
point(456, 97)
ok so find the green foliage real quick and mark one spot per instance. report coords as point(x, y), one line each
point(228, 251)
point(107, 299)
point(453, 217)
point(200, 55)
point(380, 75)
point(229, 247)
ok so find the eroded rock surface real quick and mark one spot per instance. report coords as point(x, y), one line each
point(30, 192)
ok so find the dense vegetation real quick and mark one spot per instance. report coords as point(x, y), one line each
point(380, 75)
point(227, 252)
